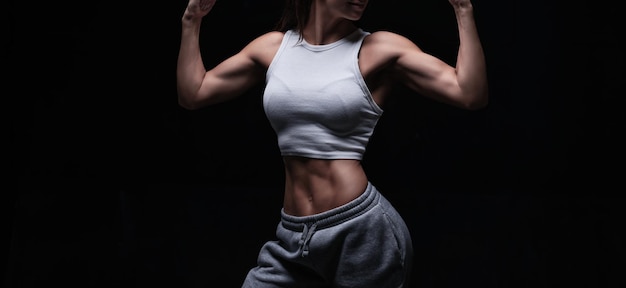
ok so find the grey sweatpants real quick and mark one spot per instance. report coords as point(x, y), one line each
point(364, 243)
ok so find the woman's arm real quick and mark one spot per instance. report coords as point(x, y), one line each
point(198, 87)
point(464, 85)
point(471, 70)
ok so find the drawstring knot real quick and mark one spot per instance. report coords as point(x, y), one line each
point(307, 233)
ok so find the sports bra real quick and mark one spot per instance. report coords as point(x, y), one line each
point(316, 99)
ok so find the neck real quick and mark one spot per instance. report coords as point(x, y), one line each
point(322, 28)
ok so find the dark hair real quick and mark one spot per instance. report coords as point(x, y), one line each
point(295, 15)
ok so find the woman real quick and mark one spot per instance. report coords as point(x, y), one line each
point(325, 82)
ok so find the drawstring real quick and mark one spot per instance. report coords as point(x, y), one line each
point(307, 233)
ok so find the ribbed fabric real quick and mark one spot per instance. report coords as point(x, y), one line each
point(317, 101)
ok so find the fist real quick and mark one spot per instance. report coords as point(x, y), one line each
point(461, 3)
point(199, 8)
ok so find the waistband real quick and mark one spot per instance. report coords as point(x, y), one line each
point(335, 216)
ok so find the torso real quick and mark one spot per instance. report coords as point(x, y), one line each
point(316, 185)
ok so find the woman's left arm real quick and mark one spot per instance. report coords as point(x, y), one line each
point(463, 85)
point(471, 70)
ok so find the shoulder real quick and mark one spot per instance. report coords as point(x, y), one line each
point(382, 48)
point(266, 41)
point(388, 41)
point(263, 48)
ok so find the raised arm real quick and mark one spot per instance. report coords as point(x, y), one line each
point(198, 87)
point(471, 70)
point(464, 85)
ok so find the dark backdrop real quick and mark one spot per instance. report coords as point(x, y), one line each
point(109, 183)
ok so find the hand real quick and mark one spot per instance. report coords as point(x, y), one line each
point(199, 8)
point(458, 4)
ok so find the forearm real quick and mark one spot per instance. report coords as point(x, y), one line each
point(471, 66)
point(190, 68)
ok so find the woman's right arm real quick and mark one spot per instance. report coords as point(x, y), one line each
point(198, 87)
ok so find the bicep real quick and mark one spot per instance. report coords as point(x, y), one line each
point(427, 75)
point(230, 78)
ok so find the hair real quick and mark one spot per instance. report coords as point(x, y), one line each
point(295, 15)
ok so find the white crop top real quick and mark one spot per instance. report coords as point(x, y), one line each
point(316, 99)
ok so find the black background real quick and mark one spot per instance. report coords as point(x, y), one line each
point(109, 183)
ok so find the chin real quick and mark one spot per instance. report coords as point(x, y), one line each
point(354, 16)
